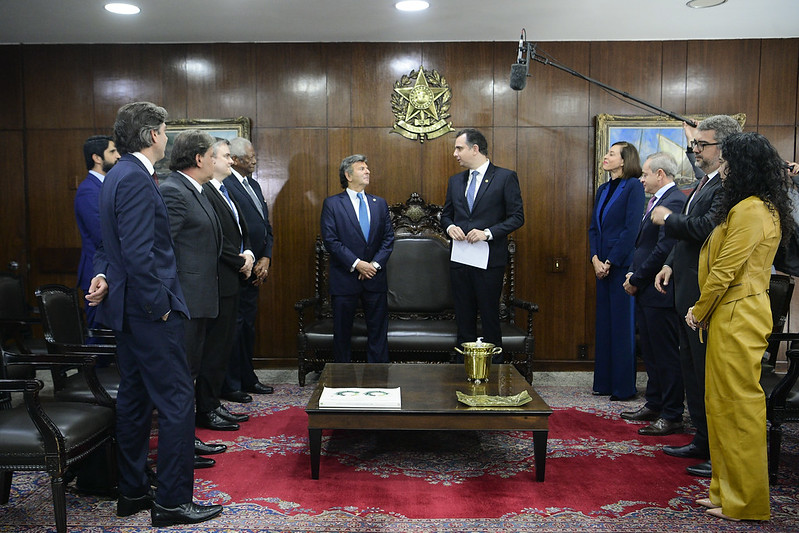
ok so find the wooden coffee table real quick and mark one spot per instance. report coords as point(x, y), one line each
point(428, 403)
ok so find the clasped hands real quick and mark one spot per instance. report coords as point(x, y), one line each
point(601, 269)
point(365, 270)
point(475, 235)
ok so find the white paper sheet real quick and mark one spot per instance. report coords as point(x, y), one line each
point(360, 398)
point(475, 255)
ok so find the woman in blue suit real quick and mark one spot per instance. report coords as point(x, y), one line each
point(614, 226)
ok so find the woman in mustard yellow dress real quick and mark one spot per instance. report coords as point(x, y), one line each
point(734, 309)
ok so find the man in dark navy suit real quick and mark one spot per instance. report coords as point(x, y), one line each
point(658, 321)
point(691, 226)
point(100, 154)
point(357, 231)
point(241, 378)
point(484, 203)
point(141, 300)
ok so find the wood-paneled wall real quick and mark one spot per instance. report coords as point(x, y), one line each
point(312, 104)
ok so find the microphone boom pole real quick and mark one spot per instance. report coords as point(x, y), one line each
point(533, 56)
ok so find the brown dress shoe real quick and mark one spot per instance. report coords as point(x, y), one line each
point(661, 427)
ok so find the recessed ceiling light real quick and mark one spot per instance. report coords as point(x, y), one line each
point(122, 9)
point(697, 4)
point(413, 5)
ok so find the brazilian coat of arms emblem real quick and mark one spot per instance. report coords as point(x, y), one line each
point(420, 103)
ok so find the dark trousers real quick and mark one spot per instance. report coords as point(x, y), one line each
point(240, 372)
point(375, 307)
point(659, 335)
point(194, 333)
point(692, 362)
point(218, 344)
point(614, 354)
point(477, 290)
point(154, 373)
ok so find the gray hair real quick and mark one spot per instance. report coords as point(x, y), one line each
point(723, 125)
point(663, 161)
point(346, 166)
point(238, 147)
point(217, 144)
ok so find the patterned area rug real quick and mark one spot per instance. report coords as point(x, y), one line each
point(600, 476)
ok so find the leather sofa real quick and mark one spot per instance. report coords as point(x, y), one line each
point(421, 318)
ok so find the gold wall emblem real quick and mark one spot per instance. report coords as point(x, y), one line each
point(420, 103)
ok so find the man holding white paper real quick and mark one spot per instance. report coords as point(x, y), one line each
point(483, 205)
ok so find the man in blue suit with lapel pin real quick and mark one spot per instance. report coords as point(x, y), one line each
point(658, 321)
point(101, 154)
point(140, 298)
point(357, 232)
point(484, 203)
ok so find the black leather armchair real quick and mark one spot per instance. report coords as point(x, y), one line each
point(52, 436)
point(66, 332)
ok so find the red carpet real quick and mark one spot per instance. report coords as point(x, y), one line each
point(600, 476)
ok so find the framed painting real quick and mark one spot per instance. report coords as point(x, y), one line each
point(649, 134)
point(222, 128)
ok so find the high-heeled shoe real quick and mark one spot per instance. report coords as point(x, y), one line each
point(718, 514)
point(705, 502)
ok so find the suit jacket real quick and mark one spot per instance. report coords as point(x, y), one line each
point(197, 235)
point(258, 227)
point(136, 254)
point(735, 261)
point(87, 215)
point(344, 241)
point(613, 238)
point(652, 246)
point(497, 207)
point(691, 229)
point(233, 241)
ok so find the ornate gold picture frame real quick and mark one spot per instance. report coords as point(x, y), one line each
point(223, 128)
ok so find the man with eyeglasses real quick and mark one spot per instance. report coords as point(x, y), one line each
point(691, 227)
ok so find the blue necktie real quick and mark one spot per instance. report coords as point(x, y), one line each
point(470, 192)
point(363, 216)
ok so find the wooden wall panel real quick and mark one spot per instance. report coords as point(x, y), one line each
point(314, 103)
point(632, 67)
point(723, 77)
point(11, 88)
point(13, 203)
point(779, 62)
point(220, 81)
point(554, 97)
point(58, 87)
point(142, 76)
point(292, 173)
point(291, 85)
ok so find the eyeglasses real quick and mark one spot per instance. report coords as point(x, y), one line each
point(698, 146)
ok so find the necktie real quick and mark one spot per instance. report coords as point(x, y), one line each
point(470, 191)
point(255, 199)
point(155, 178)
point(224, 192)
point(702, 183)
point(363, 216)
point(650, 205)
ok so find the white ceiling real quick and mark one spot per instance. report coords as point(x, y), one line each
point(173, 21)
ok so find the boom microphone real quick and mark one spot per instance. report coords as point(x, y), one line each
point(518, 75)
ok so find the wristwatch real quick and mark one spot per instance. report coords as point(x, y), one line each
point(665, 218)
point(487, 234)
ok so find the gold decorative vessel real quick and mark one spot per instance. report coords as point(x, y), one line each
point(477, 359)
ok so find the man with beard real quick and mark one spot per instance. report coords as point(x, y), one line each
point(101, 154)
point(691, 227)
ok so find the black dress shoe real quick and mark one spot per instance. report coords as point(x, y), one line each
point(661, 427)
point(644, 414)
point(127, 506)
point(203, 462)
point(201, 448)
point(237, 396)
point(212, 420)
point(689, 451)
point(614, 398)
point(702, 469)
point(231, 417)
point(260, 388)
point(188, 513)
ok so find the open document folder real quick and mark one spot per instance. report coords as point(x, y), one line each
point(475, 255)
point(360, 398)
